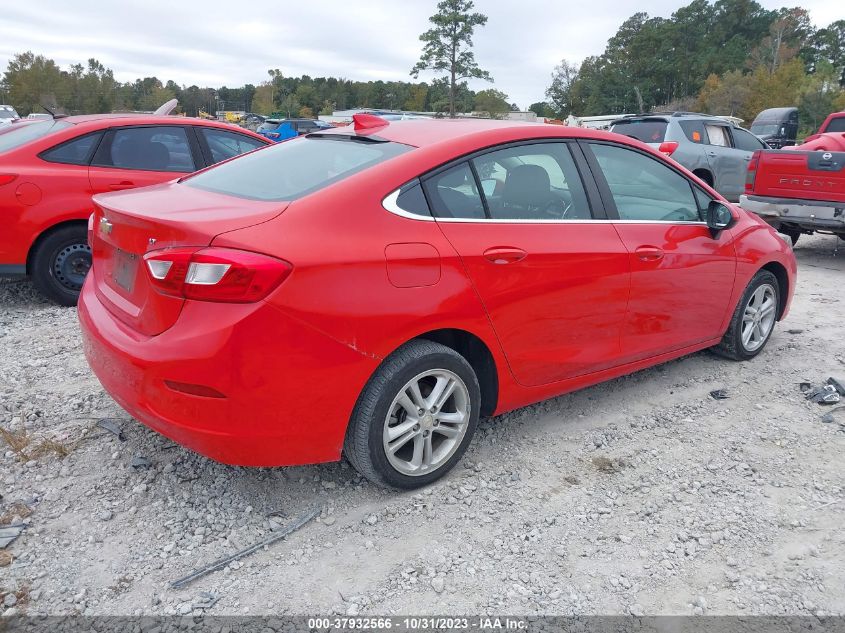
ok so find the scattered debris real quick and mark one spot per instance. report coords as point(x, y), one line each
point(139, 461)
point(220, 564)
point(829, 418)
point(823, 394)
point(205, 601)
point(607, 465)
point(110, 425)
point(719, 394)
point(837, 384)
point(795, 331)
point(8, 533)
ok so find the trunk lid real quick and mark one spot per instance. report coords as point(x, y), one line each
point(802, 175)
point(127, 225)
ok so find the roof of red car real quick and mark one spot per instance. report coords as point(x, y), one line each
point(425, 132)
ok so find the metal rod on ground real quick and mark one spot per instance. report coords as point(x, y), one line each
point(219, 564)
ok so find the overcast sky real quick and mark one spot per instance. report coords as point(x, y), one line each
point(221, 42)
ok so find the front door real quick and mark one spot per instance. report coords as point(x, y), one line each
point(554, 281)
point(727, 163)
point(681, 276)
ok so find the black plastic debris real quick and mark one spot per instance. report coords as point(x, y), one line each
point(795, 331)
point(719, 394)
point(837, 384)
point(823, 394)
point(830, 418)
point(110, 425)
point(139, 461)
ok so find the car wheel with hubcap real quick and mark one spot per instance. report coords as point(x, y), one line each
point(60, 264)
point(753, 319)
point(416, 416)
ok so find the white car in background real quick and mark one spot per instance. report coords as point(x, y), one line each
point(8, 115)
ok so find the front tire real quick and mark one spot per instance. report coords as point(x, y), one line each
point(753, 319)
point(60, 262)
point(415, 418)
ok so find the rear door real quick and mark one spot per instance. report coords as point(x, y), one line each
point(138, 156)
point(553, 278)
point(681, 276)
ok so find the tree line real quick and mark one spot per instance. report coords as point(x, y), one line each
point(726, 57)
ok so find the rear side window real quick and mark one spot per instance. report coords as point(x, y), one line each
point(150, 148)
point(645, 130)
point(291, 170)
point(412, 200)
point(643, 188)
point(718, 135)
point(532, 182)
point(837, 125)
point(694, 131)
point(454, 194)
point(74, 152)
point(22, 133)
point(223, 144)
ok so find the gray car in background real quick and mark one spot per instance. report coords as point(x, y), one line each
point(714, 149)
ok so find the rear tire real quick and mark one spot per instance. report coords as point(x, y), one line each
point(753, 319)
point(60, 262)
point(793, 234)
point(415, 417)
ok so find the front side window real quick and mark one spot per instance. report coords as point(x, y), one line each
point(152, 148)
point(74, 152)
point(747, 141)
point(718, 135)
point(643, 188)
point(225, 144)
point(532, 182)
point(291, 170)
point(454, 194)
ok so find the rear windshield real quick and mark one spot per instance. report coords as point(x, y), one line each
point(22, 133)
point(6, 113)
point(837, 125)
point(296, 168)
point(645, 130)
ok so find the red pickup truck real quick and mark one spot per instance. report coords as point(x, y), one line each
point(801, 190)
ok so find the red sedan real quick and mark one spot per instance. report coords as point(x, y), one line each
point(372, 290)
point(50, 169)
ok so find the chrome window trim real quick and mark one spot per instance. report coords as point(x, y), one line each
point(389, 204)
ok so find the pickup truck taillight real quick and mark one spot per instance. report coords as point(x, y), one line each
point(751, 174)
point(215, 274)
point(667, 148)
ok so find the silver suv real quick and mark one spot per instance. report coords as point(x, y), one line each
point(714, 149)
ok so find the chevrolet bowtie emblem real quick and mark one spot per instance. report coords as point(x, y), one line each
point(105, 226)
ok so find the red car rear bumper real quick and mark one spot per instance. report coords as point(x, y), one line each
point(288, 390)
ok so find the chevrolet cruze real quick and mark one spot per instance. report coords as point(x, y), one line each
point(370, 291)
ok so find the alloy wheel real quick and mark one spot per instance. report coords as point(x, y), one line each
point(758, 318)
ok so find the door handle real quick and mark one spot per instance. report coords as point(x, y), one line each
point(711, 153)
point(504, 254)
point(123, 184)
point(649, 253)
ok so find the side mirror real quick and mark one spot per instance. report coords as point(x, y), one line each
point(719, 217)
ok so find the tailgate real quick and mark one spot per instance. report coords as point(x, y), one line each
point(128, 225)
point(801, 175)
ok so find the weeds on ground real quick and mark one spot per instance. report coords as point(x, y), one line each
point(26, 448)
point(17, 509)
point(607, 465)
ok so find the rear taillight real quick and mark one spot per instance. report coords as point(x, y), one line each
point(91, 230)
point(215, 274)
point(5, 179)
point(751, 174)
point(667, 147)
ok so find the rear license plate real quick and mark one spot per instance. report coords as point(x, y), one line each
point(125, 265)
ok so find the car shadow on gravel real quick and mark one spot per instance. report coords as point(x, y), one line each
point(21, 293)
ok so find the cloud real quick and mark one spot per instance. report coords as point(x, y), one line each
point(218, 43)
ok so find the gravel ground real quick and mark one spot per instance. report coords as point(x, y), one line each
point(644, 495)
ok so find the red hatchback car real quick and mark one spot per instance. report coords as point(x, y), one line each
point(50, 169)
point(373, 289)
